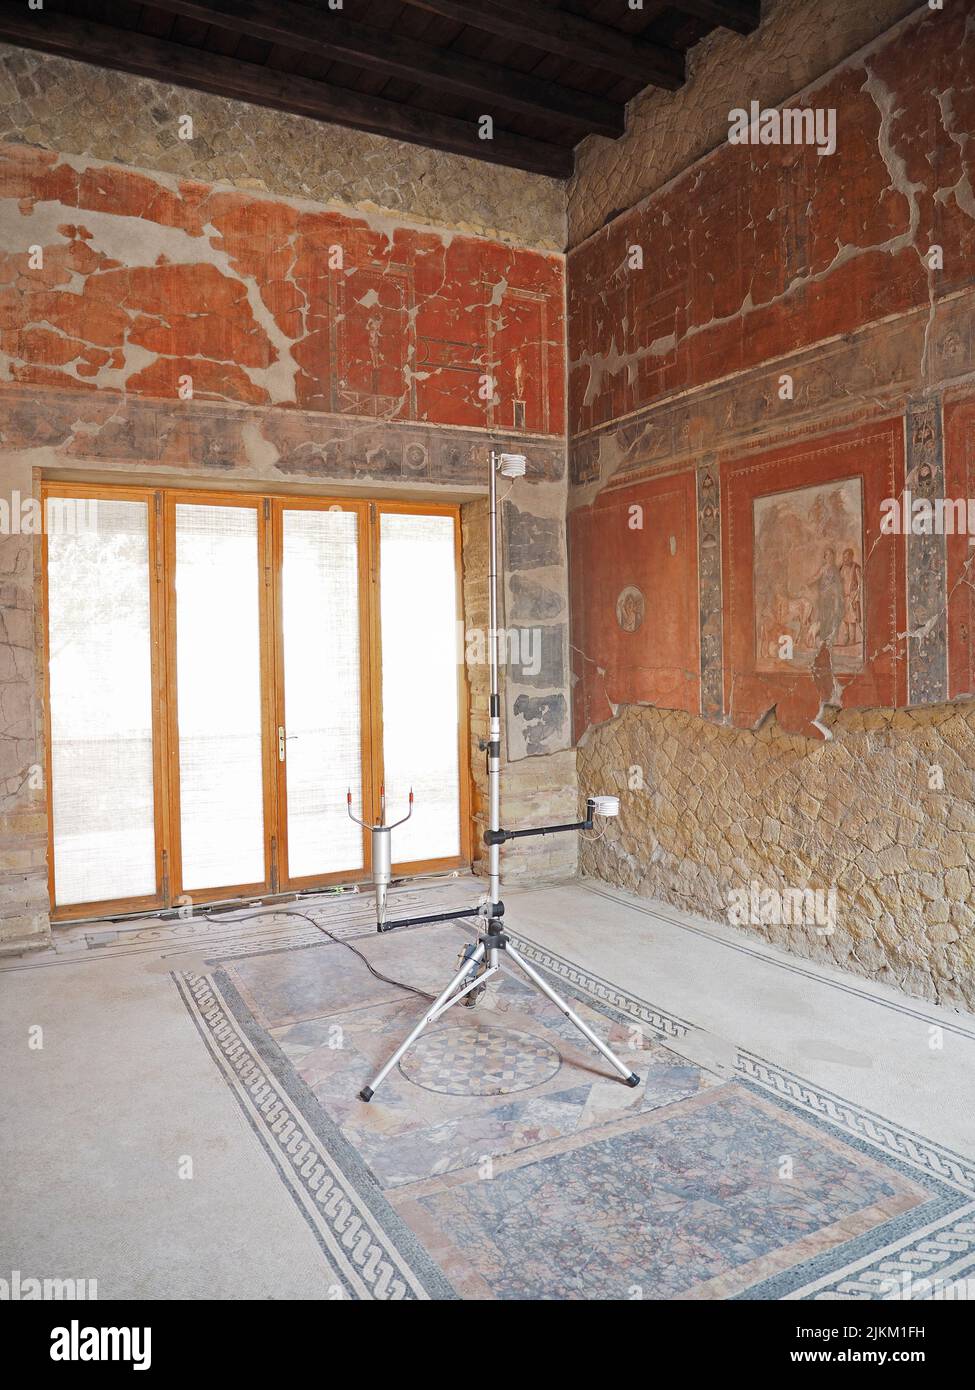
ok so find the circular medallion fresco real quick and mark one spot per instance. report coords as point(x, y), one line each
point(630, 608)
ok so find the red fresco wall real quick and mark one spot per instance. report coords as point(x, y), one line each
point(143, 282)
point(633, 568)
point(873, 457)
point(761, 249)
point(760, 260)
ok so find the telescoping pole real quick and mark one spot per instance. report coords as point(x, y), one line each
point(494, 715)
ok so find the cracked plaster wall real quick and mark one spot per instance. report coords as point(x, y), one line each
point(363, 374)
point(796, 43)
point(113, 279)
point(74, 108)
point(762, 261)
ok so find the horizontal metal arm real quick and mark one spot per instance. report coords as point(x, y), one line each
point(432, 917)
point(498, 837)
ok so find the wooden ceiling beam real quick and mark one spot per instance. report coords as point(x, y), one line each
point(570, 36)
point(103, 46)
point(330, 35)
point(743, 16)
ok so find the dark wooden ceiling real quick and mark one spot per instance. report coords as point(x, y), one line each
point(548, 72)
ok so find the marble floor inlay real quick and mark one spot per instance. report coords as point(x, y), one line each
point(503, 1159)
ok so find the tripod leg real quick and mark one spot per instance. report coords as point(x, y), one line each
point(630, 1077)
point(472, 961)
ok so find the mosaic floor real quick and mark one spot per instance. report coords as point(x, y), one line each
point(501, 1159)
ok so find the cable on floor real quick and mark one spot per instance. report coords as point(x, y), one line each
point(293, 912)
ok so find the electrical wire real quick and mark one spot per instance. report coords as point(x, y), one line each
point(339, 941)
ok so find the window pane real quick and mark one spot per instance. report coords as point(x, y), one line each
point(320, 602)
point(218, 667)
point(420, 686)
point(101, 707)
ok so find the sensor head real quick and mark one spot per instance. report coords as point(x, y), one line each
point(607, 806)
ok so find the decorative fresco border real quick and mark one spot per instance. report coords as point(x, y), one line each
point(709, 578)
point(82, 430)
point(927, 560)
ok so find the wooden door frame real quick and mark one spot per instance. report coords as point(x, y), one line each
point(161, 503)
point(152, 499)
point(280, 505)
point(377, 508)
point(172, 499)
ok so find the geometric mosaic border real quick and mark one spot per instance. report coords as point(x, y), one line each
point(666, 1024)
point(376, 1256)
point(891, 1140)
point(373, 1253)
point(933, 1241)
point(883, 1264)
point(932, 1263)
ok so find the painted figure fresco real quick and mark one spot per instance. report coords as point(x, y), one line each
point(630, 609)
point(808, 577)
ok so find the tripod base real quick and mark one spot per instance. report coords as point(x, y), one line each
point(487, 954)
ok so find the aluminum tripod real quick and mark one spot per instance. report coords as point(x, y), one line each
point(483, 960)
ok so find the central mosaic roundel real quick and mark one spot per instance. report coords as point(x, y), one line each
point(479, 1061)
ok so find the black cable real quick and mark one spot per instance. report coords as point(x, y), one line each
point(338, 940)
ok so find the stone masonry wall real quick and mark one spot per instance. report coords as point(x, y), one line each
point(535, 790)
point(23, 809)
point(883, 812)
point(797, 41)
point(77, 109)
point(786, 331)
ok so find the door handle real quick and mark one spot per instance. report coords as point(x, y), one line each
point(283, 738)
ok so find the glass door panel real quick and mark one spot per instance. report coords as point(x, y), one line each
point(420, 686)
point(216, 688)
point(99, 632)
point(322, 690)
point(218, 694)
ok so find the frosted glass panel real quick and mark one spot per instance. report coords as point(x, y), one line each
point(218, 675)
point(420, 702)
point(320, 600)
point(101, 707)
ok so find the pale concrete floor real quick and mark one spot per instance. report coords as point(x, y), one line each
point(98, 1123)
point(868, 1043)
point(123, 1090)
